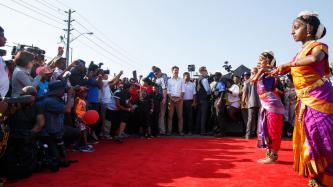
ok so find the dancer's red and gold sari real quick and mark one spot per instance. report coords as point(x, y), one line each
point(313, 134)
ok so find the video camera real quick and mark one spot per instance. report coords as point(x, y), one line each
point(39, 53)
point(100, 71)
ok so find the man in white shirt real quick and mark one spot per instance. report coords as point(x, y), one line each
point(233, 99)
point(189, 102)
point(106, 101)
point(203, 94)
point(4, 80)
point(175, 90)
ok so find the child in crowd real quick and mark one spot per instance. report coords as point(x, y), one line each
point(145, 105)
point(80, 110)
point(157, 99)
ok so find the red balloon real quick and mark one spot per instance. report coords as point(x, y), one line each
point(90, 117)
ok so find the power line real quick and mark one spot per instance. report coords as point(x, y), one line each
point(38, 11)
point(23, 5)
point(107, 44)
point(98, 52)
point(106, 37)
point(36, 19)
point(98, 45)
point(110, 46)
point(50, 6)
point(63, 4)
point(101, 47)
point(41, 10)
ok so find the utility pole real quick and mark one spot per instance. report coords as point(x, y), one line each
point(69, 29)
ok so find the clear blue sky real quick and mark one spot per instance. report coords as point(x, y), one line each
point(167, 32)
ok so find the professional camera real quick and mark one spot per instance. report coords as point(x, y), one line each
point(39, 53)
point(18, 100)
point(191, 68)
point(227, 67)
point(100, 71)
point(103, 72)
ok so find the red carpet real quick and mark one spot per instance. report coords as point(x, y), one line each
point(173, 162)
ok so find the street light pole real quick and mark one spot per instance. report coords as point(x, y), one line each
point(69, 21)
point(68, 44)
point(89, 33)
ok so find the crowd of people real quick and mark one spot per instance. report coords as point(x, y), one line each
point(49, 102)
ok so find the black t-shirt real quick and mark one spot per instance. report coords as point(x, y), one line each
point(123, 97)
point(24, 120)
point(157, 98)
point(145, 104)
point(77, 78)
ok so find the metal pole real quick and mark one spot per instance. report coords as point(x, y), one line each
point(68, 35)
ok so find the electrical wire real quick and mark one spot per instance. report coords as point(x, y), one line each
point(102, 48)
point(98, 38)
point(37, 12)
point(106, 36)
point(41, 10)
point(50, 6)
point(107, 44)
point(98, 52)
point(32, 17)
point(127, 61)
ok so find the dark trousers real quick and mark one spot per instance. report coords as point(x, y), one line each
point(188, 115)
point(245, 115)
point(154, 121)
point(56, 149)
point(252, 121)
point(202, 116)
point(113, 116)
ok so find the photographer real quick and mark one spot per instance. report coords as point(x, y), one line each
point(54, 109)
point(218, 98)
point(78, 73)
point(26, 119)
point(21, 76)
point(4, 80)
point(94, 84)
